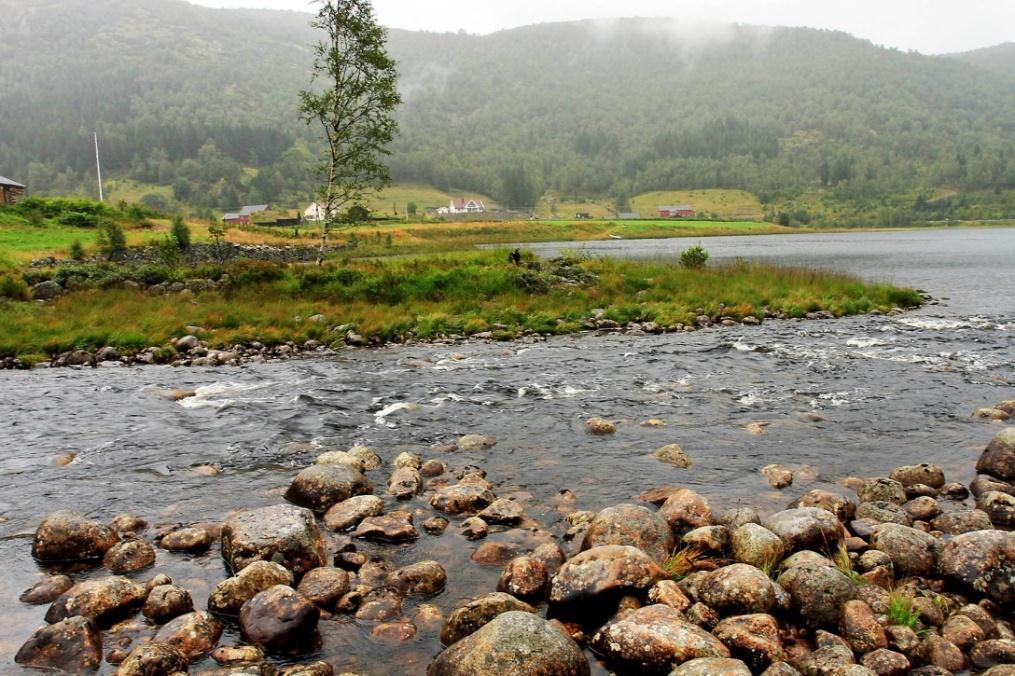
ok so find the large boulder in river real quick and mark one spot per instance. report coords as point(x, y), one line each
point(912, 551)
point(999, 457)
point(982, 560)
point(192, 634)
point(738, 589)
point(467, 619)
point(654, 640)
point(819, 592)
point(513, 643)
point(128, 556)
point(282, 533)
point(101, 600)
point(318, 487)
point(72, 646)
point(230, 594)
point(68, 536)
point(609, 569)
point(279, 618)
point(632, 525)
point(805, 528)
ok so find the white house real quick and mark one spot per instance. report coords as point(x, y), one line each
point(315, 213)
point(466, 206)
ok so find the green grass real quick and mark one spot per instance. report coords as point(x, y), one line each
point(737, 204)
point(902, 611)
point(459, 293)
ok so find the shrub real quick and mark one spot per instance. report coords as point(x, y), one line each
point(78, 219)
point(13, 287)
point(77, 251)
point(180, 233)
point(112, 242)
point(694, 258)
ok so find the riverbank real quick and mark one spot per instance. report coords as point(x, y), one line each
point(141, 312)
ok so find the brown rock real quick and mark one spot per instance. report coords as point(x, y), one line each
point(999, 507)
point(685, 510)
point(379, 605)
point(462, 498)
point(153, 658)
point(404, 483)
point(192, 634)
point(318, 487)
point(128, 556)
point(46, 590)
point(494, 553)
point(993, 652)
point(738, 589)
point(600, 426)
point(860, 628)
point(913, 552)
point(237, 654)
point(842, 507)
point(474, 528)
point(752, 638)
point(881, 489)
point(939, 652)
point(393, 632)
point(391, 527)
point(819, 592)
point(805, 528)
point(962, 631)
point(984, 561)
point(349, 513)
point(673, 454)
point(961, 521)
point(467, 619)
point(166, 602)
point(324, 586)
point(68, 536)
point(424, 578)
point(502, 511)
point(524, 577)
point(712, 666)
point(101, 600)
point(186, 540)
point(634, 526)
point(229, 595)
point(435, 525)
point(609, 568)
point(778, 476)
point(73, 645)
point(999, 457)
point(885, 662)
point(668, 592)
point(278, 618)
point(282, 533)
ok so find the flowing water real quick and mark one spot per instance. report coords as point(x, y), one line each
point(855, 396)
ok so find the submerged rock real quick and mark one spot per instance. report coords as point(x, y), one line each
point(476, 613)
point(46, 590)
point(72, 646)
point(68, 536)
point(278, 618)
point(631, 525)
point(502, 511)
point(319, 487)
point(654, 639)
point(513, 643)
point(282, 533)
point(476, 442)
point(423, 578)
point(600, 426)
point(673, 454)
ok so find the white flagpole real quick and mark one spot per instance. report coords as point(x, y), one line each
point(98, 167)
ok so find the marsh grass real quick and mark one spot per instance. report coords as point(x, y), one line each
point(902, 611)
point(425, 296)
point(845, 565)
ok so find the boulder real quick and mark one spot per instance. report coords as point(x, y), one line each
point(423, 578)
point(613, 569)
point(348, 513)
point(842, 507)
point(467, 619)
point(738, 589)
point(278, 618)
point(186, 540)
point(153, 658)
point(911, 475)
point(882, 511)
point(392, 527)
point(319, 487)
point(654, 639)
point(756, 545)
point(502, 511)
point(860, 628)
point(324, 586)
point(631, 525)
point(128, 556)
point(192, 634)
point(462, 498)
point(282, 533)
point(404, 483)
point(912, 551)
point(752, 638)
point(805, 528)
point(819, 592)
point(68, 536)
point(524, 577)
point(230, 594)
point(991, 653)
point(961, 521)
point(881, 489)
point(46, 590)
point(72, 646)
point(983, 561)
point(102, 600)
point(998, 459)
point(46, 290)
point(712, 666)
point(513, 643)
point(166, 602)
point(999, 507)
point(923, 508)
point(685, 510)
point(673, 454)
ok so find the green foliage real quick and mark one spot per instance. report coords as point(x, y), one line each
point(694, 258)
point(111, 240)
point(902, 611)
point(13, 287)
point(78, 219)
point(180, 233)
point(76, 251)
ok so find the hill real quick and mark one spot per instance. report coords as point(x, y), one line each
point(999, 58)
point(204, 101)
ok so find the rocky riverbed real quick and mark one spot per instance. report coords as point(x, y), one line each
point(916, 574)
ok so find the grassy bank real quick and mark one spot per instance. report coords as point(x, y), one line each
point(423, 296)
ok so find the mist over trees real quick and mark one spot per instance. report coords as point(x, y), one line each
point(204, 101)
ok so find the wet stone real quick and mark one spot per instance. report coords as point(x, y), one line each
point(237, 654)
point(474, 528)
point(777, 476)
point(524, 577)
point(929, 475)
point(502, 511)
point(713, 540)
point(404, 483)
point(278, 618)
point(393, 632)
point(494, 553)
point(984, 483)
point(513, 643)
point(466, 619)
point(673, 454)
point(462, 498)
point(407, 459)
point(186, 540)
point(153, 658)
point(712, 666)
point(819, 592)
point(476, 442)
point(631, 525)
point(962, 631)
point(230, 594)
point(192, 634)
point(668, 592)
point(685, 510)
point(392, 527)
point(998, 459)
point(842, 507)
point(73, 645)
point(367, 456)
point(940, 652)
point(924, 508)
point(805, 528)
point(432, 468)
point(128, 523)
point(702, 616)
point(993, 652)
point(424, 578)
point(101, 600)
point(68, 536)
point(738, 589)
point(166, 602)
point(599, 426)
point(319, 487)
point(860, 628)
point(604, 569)
point(435, 525)
point(380, 605)
point(128, 556)
point(885, 662)
point(281, 533)
point(999, 508)
point(46, 590)
point(324, 586)
point(341, 458)
point(882, 490)
point(752, 638)
point(349, 513)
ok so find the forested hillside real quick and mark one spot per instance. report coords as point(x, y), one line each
point(205, 100)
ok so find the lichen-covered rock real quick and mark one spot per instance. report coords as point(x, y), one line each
point(462, 498)
point(278, 618)
point(284, 534)
point(860, 628)
point(961, 521)
point(882, 511)
point(423, 578)
point(524, 577)
point(232, 655)
point(712, 666)
point(654, 639)
point(912, 551)
point(68, 536)
point(926, 474)
point(128, 556)
point(999, 507)
point(756, 545)
point(669, 593)
point(819, 592)
point(469, 618)
point(502, 511)
point(982, 560)
point(367, 456)
point(46, 590)
point(324, 586)
point(998, 459)
point(777, 476)
point(828, 660)
point(348, 513)
point(842, 507)
point(738, 589)
point(993, 652)
point(685, 510)
point(923, 508)
point(153, 658)
point(341, 458)
point(601, 570)
point(600, 426)
point(881, 489)
point(631, 525)
point(72, 646)
point(805, 528)
point(939, 652)
point(963, 631)
point(319, 487)
point(513, 643)
point(165, 602)
point(752, 638)
point(884, 662)
point(404, 483)
point(186, 540)
point(391, 527)
point(192, 634)
point(673, 454)
point(714, 540)
point(230, 594)
point(101, 600)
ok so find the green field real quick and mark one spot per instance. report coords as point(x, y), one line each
point(735, 204)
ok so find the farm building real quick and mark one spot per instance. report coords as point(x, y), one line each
point(582, 215)
point(253, 209)
point(236, 219)
point(677, 211)
point(466, 206)
point(315, 212)
point(10, 191)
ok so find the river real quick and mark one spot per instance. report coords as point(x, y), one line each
point(855, 396)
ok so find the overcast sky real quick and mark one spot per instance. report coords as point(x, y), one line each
point(928, 26)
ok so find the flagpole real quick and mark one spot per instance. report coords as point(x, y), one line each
point(98, 167)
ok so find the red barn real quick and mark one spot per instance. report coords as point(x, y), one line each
point(677, 211)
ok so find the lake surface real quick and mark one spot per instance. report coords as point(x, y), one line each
point(855, 396)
